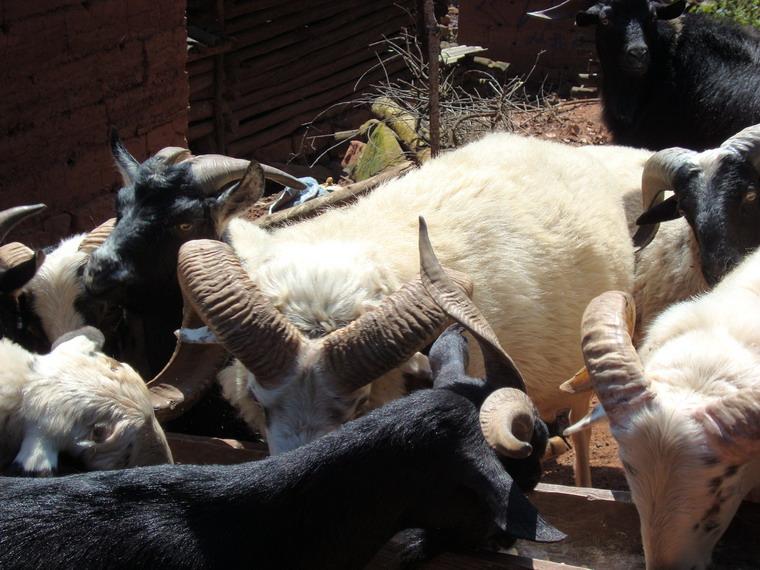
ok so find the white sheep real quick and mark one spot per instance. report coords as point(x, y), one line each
point(74, 401)
point(538, 226)
point(685, 410)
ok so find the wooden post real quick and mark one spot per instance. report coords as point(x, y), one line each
point(434, 50)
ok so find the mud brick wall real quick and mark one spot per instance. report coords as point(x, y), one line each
point(510, 35)
point(70, 69)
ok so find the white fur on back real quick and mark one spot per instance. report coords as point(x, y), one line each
point(538, 226)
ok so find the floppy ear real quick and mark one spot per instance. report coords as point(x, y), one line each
point(449, 356)
point(85, 339)
point(669, 11)
point(663, 212)
point(524, 520)
point(38, 455)
point(125, 162)
point(732, 425)
point(239, 196)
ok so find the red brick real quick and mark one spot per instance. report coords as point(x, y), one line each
point(19, 10)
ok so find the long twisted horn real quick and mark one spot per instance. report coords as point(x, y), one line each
point(615, 369)
point(657, 177)
point(746, 143)
point(382, 339)
point(12, 216)
point(501, 370)
point(217, 287)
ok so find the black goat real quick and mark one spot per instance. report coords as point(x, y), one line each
point(690, 82)
point(169, 199)
point(420, 462)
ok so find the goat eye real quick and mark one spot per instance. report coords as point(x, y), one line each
point(604, 20)
point(750, 197)
point(99, 433)
point(185, 227)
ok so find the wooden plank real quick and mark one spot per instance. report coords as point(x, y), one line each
point(270, 52)
point(337, 198)
point(252, 81)
point(243, 146)
point(194, 449)
point(297, 12)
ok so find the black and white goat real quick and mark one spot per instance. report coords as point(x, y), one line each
point(688, 82)
point(421, 462)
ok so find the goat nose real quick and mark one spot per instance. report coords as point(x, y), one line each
point(103, 274)
point(638, 52)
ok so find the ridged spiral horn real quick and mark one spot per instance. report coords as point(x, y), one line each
point(96, 237)
point(746, 143)
point(384, 338)
point(12, 216)
point(215, 285)
point(657, 177)
point(508, 415)
point(501, 370)
point(613, 363)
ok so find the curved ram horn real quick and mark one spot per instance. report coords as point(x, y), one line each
point(216, 286)
point(746, 143)
point(615, 369)
point(563, 11)
point(500, 368)
point(214, 171)
point(173, 154)
point(18, 264)
point(507, 418)
point(12, 216)
point(384, 338)
point(191, 371)
point(657, 177)
point(96, 237)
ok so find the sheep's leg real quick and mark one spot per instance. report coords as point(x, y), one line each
point(581, 442)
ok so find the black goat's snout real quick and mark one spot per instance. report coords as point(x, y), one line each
point(105, 275)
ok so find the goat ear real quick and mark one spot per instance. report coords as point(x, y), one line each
point(524, 520)
point(663, 212)
point(84, 339)
point(38, 455)
point(588, 17)
point(669, 11)
point(239, 196)
point(449, 356)
point(732, 425)
point(125, 162)
point(14, 278)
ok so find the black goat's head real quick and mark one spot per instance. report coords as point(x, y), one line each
point(171, 198)
point(717, 191)
point(626, 30)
